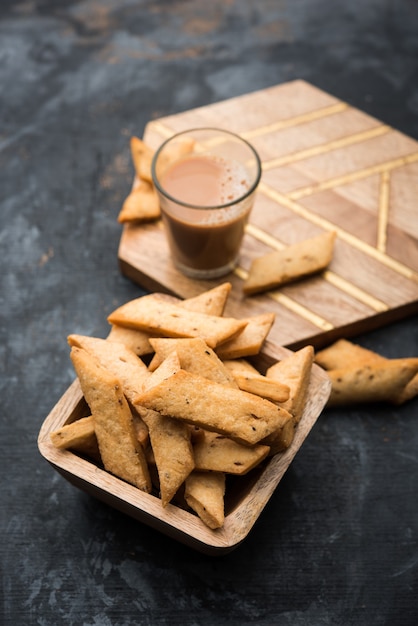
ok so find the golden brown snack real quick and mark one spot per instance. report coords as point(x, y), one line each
point(250, 340)
point(211, 302)
point(264, 387)
point(295, 372)
point(344, 353)
point(141, 205)
point(153, 315)
point(135, 340)
point(79, 436)
point(120, 451)
point(216, 453)
point(294, 262)
point(172, 450)
point(118, 359)
point(204, 494)
point(142, 156)
point(194, 356)
point(244, 417)
point(371, 382)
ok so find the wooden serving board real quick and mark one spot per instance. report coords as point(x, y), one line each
point(326, 166)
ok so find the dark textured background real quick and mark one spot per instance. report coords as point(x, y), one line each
point(338, 542)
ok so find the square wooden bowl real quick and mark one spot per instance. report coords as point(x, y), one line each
point(245, 497)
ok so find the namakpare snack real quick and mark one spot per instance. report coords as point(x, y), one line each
point(168, 414)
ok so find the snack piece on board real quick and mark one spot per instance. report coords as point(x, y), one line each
point(371, 382)
point(142, 156)
point(194, 356)
point(216, 453)
point(294, 262)
point(250, 340)
point(244, 417)
point(79, 436)
point(240, 366)
point(154, 315)
point(141, 205)
point(204, 493)
point(345, 355)
point(120, 451)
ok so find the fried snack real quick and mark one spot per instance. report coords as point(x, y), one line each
point(261, 386)
point(344, 353)
point(172, 449)
point(141, 205)
point(295, 372)
point(250, 341)
point(169, 366)
point(78, 436)
point(248, 378)
point(142, 156)
point(371, 382)
point(117, 359)
point(211, 302)
point(240, 366)
point(154, 315)
point(120, 451)
point(294, 262)
point(194, 356)
point(204, 493)
point(242, 416)
point(215, 453)
point(135, 340)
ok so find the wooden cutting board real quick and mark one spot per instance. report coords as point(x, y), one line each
point(326, 166)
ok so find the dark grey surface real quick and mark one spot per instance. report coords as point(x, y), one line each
point(338, 542)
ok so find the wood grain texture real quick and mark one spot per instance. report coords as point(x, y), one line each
point(326, 166)
point(244, 501)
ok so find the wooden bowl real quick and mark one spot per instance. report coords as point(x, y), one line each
point(245, 497)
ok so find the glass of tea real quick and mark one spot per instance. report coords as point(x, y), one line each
point(206, 193)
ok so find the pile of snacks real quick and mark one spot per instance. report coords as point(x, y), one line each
point(175, 404)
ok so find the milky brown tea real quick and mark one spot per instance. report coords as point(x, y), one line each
point(205, 199)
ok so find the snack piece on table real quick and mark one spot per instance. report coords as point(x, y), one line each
point(244, 417)
point(250, 341)
point(343, 355)
point(78, 436)
point(120, 451)
point(204, 493)
point(216, 453)
point(292, 263)
point(153, 315)
point(371, 382)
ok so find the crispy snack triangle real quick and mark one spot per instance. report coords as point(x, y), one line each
point(250, 341)
point(204, 493)
point(141, 205)
point(79, 436)
point(242, 416)
point(216, 453)
point(154, 315)
point(294, 262)
point(120, 451)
